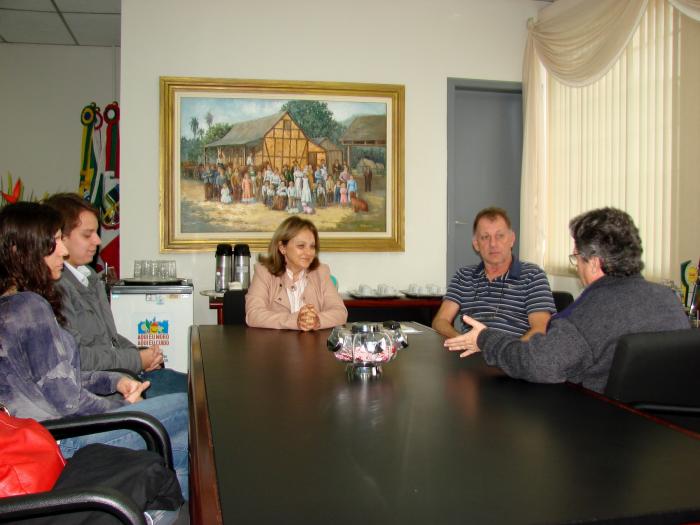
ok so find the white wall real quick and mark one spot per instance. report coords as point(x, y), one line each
point(416, 43)
point(42, 93)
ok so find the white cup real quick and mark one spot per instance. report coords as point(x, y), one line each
point(382, 289)
point(432, 289)
point(413, 288)
point(366, 289)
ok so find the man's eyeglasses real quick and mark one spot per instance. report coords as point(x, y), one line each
point(573, 259)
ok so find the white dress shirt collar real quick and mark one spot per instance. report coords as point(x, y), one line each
point(81, 273)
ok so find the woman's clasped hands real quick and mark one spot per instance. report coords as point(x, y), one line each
point(132, 389)
point(308, 318)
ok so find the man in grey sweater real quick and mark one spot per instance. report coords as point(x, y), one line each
point(579, 344)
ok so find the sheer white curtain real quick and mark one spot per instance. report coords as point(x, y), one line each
point(599, 85)
point(690, 8)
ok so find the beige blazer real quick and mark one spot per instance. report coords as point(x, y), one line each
point(267, 302)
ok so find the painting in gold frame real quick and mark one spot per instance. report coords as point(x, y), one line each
point(239, 156)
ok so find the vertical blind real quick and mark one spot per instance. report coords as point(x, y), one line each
point(610, 143)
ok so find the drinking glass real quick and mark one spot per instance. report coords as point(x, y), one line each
point(147, 268)
point(159, 269)
point(138, 268)
point(171, 269)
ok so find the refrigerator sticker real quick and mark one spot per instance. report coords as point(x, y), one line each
point(153, 332)
point(159, 299)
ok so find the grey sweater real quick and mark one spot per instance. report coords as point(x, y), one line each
point(89, 320)
point(580, 342)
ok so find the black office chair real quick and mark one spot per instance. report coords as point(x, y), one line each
point(234, 307)
point(658, 372)
point(562, 300)
point(66, 502)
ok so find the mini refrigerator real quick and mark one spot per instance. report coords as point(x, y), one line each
point(156, 314)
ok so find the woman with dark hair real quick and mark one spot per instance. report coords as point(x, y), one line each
point(579, 345)
point(291, 288)
point(18, 267)
point(40, 375)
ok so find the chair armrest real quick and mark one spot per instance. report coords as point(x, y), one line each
point(148, 427)
point(55, 502)
point(667, 409)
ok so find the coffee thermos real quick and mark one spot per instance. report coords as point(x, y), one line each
point(223, 267)
point(241, 265)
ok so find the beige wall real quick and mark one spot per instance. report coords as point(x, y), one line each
point(42, 92)
point(415, 43)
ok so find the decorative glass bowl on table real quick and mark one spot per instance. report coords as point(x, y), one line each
point(366, 346)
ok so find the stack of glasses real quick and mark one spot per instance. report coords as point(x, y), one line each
point(145, 268)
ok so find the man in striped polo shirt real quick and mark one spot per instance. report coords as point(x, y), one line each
point(502, 291)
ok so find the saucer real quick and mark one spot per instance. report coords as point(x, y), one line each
point(414, 295)
point(356, 294)
point(211, 294)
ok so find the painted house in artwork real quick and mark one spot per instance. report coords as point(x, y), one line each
point(365, 131)
point(331, 152)
point(276, 139)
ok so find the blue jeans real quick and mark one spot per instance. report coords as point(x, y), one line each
point(171, 410)
point(164, 381)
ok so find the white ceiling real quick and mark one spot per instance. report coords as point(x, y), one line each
point(61, 22)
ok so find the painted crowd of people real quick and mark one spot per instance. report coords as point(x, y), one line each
point(292, 188)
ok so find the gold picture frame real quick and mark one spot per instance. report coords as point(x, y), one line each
point(238, 156)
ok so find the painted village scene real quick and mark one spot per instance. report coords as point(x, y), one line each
point(246, 164)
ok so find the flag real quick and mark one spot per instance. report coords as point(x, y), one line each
point(109, 210)
point(99, 176)
point(88, 162)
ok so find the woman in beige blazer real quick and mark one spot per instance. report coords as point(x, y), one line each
point(291, 288)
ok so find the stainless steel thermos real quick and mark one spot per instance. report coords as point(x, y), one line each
point(241, 265)
point(222, 276)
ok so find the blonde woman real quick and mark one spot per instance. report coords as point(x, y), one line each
point(291, 289)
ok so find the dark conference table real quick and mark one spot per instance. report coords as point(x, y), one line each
point(279, 435)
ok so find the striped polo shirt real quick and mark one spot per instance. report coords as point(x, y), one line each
point(505, 302)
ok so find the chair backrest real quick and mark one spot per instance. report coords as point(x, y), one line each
point(658, 368)
point(234, 307)
point(562, 300)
